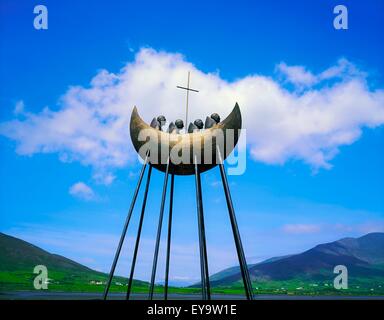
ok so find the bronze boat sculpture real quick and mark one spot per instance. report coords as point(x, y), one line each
point(182, 154)
point(195, 145)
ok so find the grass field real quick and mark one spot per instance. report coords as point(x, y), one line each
point(297, 287)
point(61, 281)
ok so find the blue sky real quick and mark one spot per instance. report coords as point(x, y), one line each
point(286, 201)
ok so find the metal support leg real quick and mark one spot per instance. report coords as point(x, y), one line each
point(139, 233)
point(124, 232)
point(206, 292)
point(236, 235)
point(169, 238)
point(156, 254)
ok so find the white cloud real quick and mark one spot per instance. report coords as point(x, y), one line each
point(19, 107)
point(301, 228)
point(92, 123)
point(82, 191)
point(296, 74)
point(343, 69)
point(302, 78)
point(103, 177)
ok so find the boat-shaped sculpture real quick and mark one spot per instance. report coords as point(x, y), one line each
point(177, 153)
point(206, 148)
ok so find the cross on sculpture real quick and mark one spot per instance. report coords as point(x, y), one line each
point(187, 89)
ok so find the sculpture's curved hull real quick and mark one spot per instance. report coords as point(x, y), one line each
point(184, 150)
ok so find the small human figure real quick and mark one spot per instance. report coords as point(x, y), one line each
point(197, 125)
point(212, 120)
point(158, 122)
point(176, 127)
point(171, 128)
point(179, 125)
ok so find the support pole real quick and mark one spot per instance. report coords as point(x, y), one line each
point(206, 292)
point(169, 238)
point(156, 254)
point(124, 232)
point(236, 234)
point(138, 233)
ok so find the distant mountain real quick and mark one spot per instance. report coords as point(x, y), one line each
point(18, 259)
point(17, 254)
point(364, 257)
point(236, 270)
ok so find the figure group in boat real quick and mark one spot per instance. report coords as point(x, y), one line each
point(178, 126)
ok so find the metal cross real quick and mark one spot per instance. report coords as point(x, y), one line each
point(188, 89)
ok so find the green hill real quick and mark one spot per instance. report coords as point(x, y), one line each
point(18, 259)
point(312, 270)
